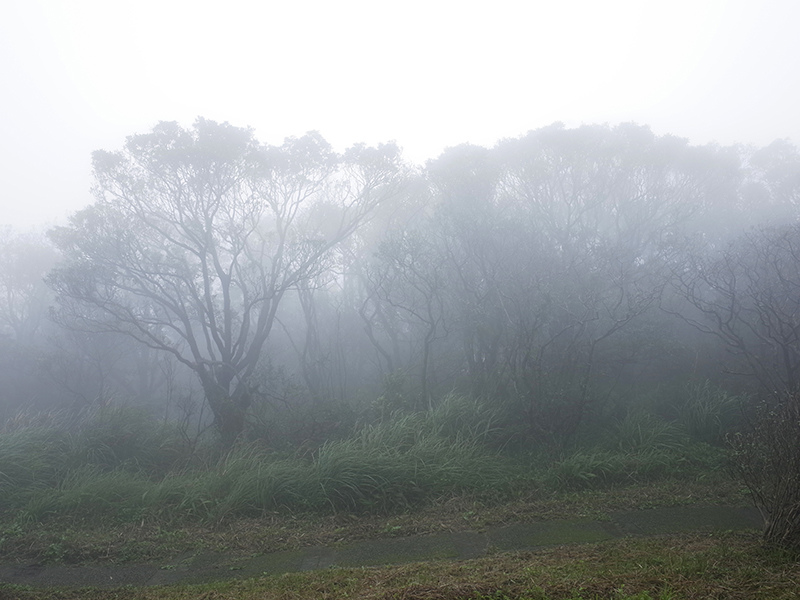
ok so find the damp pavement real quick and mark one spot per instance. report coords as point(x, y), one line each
point(207, 567)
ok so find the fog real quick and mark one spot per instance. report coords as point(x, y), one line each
point(265, 267)
point(82, 76)
point(229, 270)
point(225, 283)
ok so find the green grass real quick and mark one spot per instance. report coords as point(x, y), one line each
point(119, 468)
point(122, 488)
point(90, 537)
point(599, 468)
point(730, 566)
point(707, 412)
point(120, 465)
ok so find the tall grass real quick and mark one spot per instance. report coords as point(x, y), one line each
point(708, 412)
point(643, 431)
point(391, 465)
point(90, 491)
point(640, 447)
point(599, 469)
point(32, 457)
point(118, 466)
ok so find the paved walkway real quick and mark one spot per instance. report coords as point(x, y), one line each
point(200, 568)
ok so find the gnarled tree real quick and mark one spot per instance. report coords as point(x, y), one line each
point(197, 235)
point(748, 295)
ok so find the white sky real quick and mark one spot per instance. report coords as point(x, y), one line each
point(80, 75)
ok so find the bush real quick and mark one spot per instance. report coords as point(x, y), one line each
point(767, 457)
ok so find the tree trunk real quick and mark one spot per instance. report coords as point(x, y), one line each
point(229, 409)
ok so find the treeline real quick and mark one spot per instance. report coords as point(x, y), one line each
point(567, 278)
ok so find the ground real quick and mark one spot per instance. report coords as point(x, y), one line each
point(142, 554)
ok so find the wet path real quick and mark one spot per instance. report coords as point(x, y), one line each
point(199, 568)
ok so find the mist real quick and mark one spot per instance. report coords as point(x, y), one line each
point(353, 272)
point(555, 274)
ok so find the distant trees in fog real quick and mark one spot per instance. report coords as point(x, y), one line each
point(542, 273)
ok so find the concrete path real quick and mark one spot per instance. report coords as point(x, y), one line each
point(200, 568)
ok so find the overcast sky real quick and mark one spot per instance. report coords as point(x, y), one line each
point(81, 75)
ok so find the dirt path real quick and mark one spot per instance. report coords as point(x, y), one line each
point(205, 567)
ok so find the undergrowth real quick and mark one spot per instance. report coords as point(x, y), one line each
point(121, 464)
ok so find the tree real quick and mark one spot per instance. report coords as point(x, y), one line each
point(597, 211)
point(473, 244)
point(771, 190)
point(25, 259)
point(748, 295)
point(767, 458)
point(197, 235)
point(408, 278)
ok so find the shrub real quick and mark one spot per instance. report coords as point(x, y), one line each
point(767, 457)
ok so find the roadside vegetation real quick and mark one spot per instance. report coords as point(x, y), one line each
point(123, 465)
point(70, 487)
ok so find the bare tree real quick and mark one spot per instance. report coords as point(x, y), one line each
point(748, 295)
point(767, 458)
point(197, 235)
point(770, 192)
